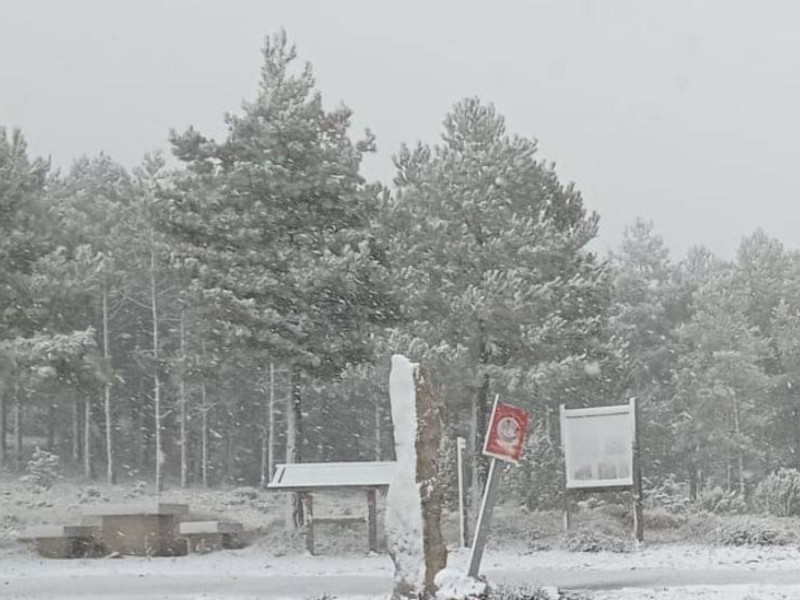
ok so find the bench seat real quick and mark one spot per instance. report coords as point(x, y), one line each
point(63, 541)
point(208, 536)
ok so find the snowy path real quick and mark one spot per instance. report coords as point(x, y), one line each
point(280, 587)
point(645, 578)
point(659, 573)
point(180, 587)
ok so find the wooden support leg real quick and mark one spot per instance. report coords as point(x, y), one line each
point(638, 495)
point(308, 505)
point(372, 520)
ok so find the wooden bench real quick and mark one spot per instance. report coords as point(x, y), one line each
point(208, 536)
point(63, 541)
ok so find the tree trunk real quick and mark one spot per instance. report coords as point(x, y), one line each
point(796, 421)
point(693, 481)
point(204, 442)
point(739, 452)
point(87, 438)
point(473, 485)
point(378, 419)
point(76, 431)
point(110, 472)
point(156, 377)
point(480, 465)
point(264, 477)
point(430, 431)
point(728, 471)
point(204, 412)
point(51, 425)
point(268, 431)
point(140, 434)
point(271, 418)
point(415, 499)
point(182, 400)
point(228, 474)
point(294, 438)
point(158, 451)
point(3, 420)
point(17, 427)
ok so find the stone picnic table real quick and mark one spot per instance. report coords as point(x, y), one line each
point(141, 529)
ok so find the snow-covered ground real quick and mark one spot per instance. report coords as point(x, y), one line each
point(655, 573)
point(730, 592)
point(274, 568)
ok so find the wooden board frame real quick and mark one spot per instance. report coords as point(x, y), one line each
point(635, 487)
point(307, 490)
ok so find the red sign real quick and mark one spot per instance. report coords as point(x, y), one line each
point(507, 430)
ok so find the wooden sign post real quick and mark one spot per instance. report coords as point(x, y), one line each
point(461, 446)
point(602, 454)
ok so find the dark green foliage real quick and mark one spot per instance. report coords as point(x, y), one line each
point(539, 480)
point(661, 518)
point(272, 224)
point(751, 533)
point(588, 540)
point(532, 593)
point(43, 468)
point(667, 495)
point(779, 493)
point(718, 501)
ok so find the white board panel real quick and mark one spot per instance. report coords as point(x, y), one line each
point(598, 446)
point(309, 476)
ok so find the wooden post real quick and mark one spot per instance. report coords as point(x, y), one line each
point(271, 423)
point(638, 496)
point(565, 490)
point(461, 445)
point(308, 507)
point(413, 524)
point(372, 519)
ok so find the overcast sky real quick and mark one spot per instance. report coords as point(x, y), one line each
point(684, 112)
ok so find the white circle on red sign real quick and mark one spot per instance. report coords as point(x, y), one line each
point(508, 430)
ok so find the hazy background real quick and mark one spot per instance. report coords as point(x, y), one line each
point(682, 112)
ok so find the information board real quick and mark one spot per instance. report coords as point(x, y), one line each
point(598, 446)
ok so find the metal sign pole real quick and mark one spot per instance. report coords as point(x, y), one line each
point(461, 444)
point(484, 518)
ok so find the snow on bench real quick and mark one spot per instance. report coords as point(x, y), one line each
point(63, 541)
point(342, 520)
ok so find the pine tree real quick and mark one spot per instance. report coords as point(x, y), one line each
point(721, 386)
point(94, 207)
point(273, 226)
point(22, 183)
point(646, 310)
point(488, 248)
